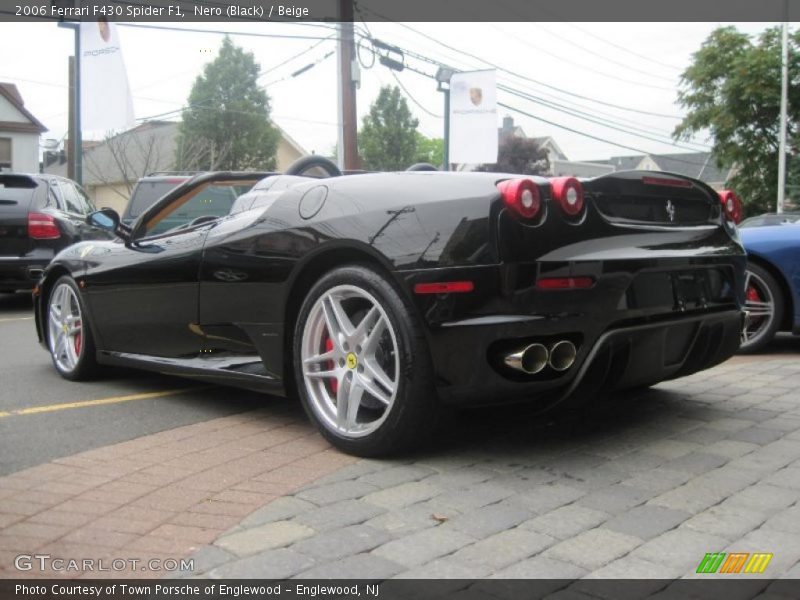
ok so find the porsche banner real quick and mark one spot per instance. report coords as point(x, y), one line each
point(473, 117)
point(105, 96)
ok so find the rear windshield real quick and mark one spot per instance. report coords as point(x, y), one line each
point(147, 192)
point(16, 191)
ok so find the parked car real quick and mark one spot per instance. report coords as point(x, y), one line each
point(39, 215)
point(772, 284)
point(770, 219)
point(378, 297)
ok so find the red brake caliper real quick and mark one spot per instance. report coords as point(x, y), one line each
point(751, 295)
point(334, 383)
point(78, 342)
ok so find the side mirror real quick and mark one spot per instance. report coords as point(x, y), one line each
point(108, 220)
point(105, 218)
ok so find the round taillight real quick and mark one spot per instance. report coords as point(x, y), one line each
point(568, 192)
point(521, 196)
point(731, 205)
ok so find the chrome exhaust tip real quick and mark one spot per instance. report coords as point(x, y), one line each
point(530, 359)
point(562, 355)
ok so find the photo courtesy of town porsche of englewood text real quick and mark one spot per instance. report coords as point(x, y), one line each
point(356, 298)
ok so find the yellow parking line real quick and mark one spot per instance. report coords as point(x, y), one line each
point(33, 410)
point(15, 319)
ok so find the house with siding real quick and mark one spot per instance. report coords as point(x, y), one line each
point(19, 133)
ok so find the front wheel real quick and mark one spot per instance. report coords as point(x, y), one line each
point(68, 336)
point(764, 302)
point(362, 366)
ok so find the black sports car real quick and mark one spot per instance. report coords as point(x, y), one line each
point(379, 297)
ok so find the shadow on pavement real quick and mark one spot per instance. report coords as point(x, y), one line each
point(13, 302)
point(522, 429)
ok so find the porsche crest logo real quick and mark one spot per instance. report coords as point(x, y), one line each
point(476, 95)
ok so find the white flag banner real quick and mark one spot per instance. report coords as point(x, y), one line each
point(473, 117)
point(105, 95)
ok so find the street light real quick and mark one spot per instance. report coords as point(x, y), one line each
point(443, 76)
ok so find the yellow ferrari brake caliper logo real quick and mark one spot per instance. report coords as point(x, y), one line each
point(352, 361)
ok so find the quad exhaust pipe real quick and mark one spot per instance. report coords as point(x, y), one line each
point(530, 359)
point(562, 355)
point(535, 357)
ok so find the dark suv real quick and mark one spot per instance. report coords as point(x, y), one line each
point(39, 215)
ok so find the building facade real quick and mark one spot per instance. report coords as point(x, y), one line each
point(19, 133)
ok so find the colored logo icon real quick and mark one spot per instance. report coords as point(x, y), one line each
point(734, 562)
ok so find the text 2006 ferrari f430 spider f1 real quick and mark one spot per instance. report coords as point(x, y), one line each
point(376, 298)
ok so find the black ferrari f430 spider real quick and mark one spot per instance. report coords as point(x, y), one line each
point(377, 298)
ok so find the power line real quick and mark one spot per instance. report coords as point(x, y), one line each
point(623, 48)
point(520, 76)
point(588, 135)
point(637, 132)
point(557, 17)
point(592, 69)
point(414, 100)
point(233, 33)
point(648, 135)
point(566, 128)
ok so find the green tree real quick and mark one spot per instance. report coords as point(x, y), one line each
point(430, 150)
point(519, 155)
point(732, 90)
point(226, 124)
point(388, 137)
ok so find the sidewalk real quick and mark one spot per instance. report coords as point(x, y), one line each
point(644, 488)
point(159, 496)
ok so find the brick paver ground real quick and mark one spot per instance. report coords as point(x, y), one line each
point(641, 487)
point(160, 496)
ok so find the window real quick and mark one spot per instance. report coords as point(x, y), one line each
point(210, 201)
point(5, 154)
point(72, 201)
point(88, 205)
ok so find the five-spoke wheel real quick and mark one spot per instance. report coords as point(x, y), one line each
point(68, 337)
point(361, 364)
point(350, 360)
point(764, 303)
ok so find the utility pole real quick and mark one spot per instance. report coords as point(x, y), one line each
point(71, 119)
point(784, 102)
point(348, 144)
point(75, 136)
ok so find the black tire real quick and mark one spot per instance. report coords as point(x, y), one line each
point(415, 410)
point(768, 328)
point(86, 366)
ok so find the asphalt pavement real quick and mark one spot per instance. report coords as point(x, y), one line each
point(74, 415)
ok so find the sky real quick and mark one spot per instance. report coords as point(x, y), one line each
point(583, 68)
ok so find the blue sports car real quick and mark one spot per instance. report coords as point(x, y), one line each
point(772, 285)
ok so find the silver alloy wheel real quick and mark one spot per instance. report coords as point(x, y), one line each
point(65, 328)
point(350, 361)
point(761, 308)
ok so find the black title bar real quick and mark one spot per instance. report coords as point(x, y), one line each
point(215, 11)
